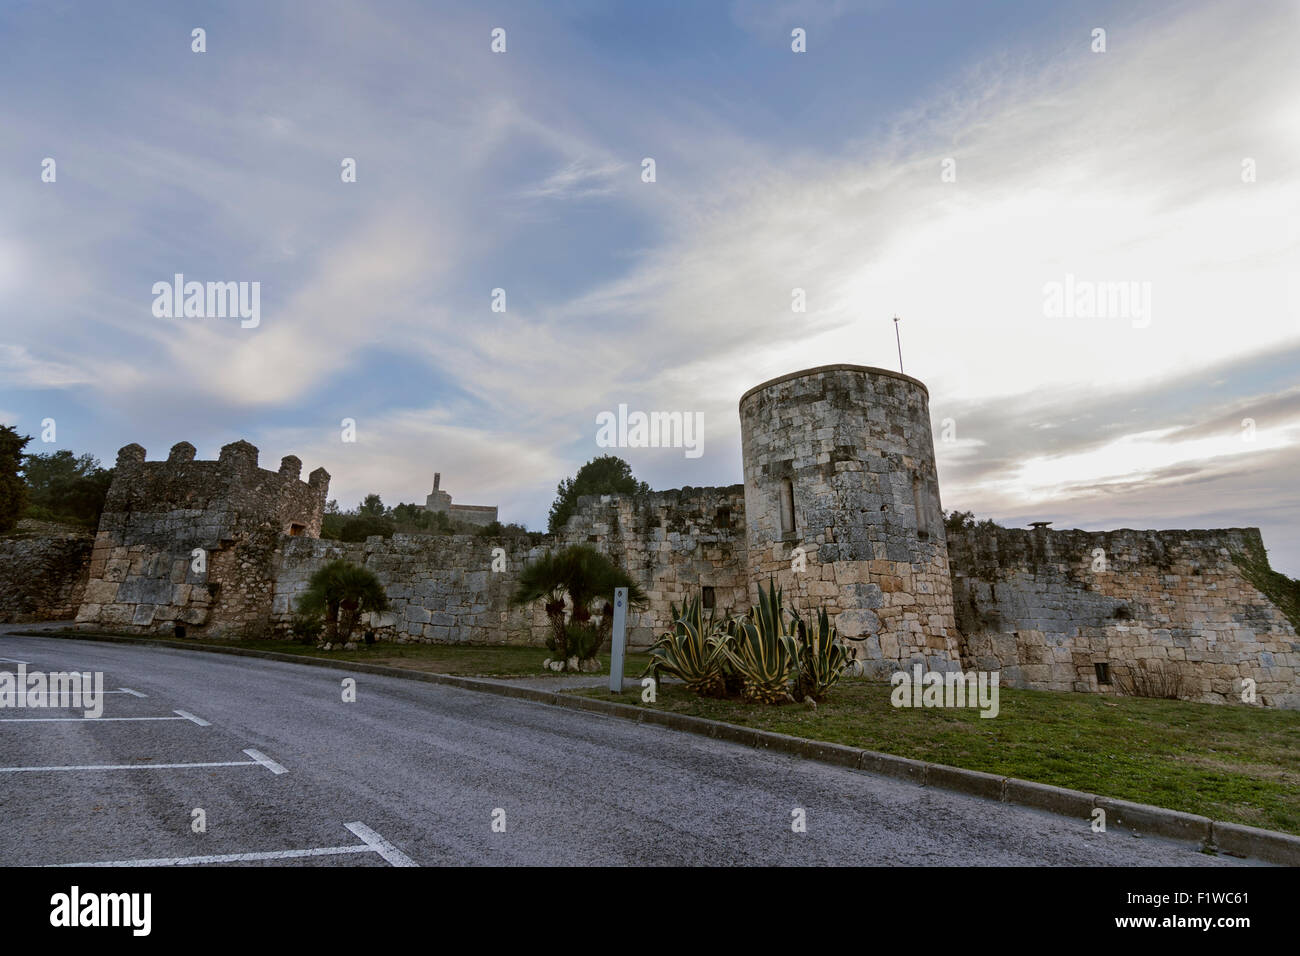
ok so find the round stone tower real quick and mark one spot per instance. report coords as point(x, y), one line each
point(842, 509)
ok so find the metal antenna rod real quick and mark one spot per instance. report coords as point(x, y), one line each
point(900, 345)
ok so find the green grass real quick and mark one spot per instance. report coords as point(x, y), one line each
point(1227, 762)
point(465, 660)
point(1283, 591)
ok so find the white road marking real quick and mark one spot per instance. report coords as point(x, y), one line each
point(93, 720)
point(232, 857)
point(266, 761)
point(374, 843)
point(78, 706)
point(186, 715)
point(381, 846)
point(123, 690)
point(136, 766)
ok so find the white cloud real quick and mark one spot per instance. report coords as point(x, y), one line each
point(578, 179)
point(20, 369)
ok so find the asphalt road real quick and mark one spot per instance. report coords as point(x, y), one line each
point(419, 771)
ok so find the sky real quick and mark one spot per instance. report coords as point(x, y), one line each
point(953, 164)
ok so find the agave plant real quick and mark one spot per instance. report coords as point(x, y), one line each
point(761, 652)
point(822, 658)
point(694, 651)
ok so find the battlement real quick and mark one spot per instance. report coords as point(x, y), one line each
point(188, 544)
point(233, 490)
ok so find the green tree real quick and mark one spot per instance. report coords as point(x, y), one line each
point(372, 507)
point(411, 517)
point(61, 485)
point(341, 592)
point(580, 573)
point(13, 492)
point(360, 527)
point(606, 475)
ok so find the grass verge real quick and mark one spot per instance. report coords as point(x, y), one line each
point(1234, 763)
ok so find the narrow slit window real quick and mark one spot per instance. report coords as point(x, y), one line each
point(922, 511)
point(1103, 673)
point(710, 598)
point(787, 507)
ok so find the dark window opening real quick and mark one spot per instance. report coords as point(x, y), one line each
point(179, 630)
point(710, 598)
point(787, 507)
point(1103, 673)
point(922, 509)
point(296, 529)
point(724, 516)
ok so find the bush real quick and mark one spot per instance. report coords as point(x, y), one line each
point(1149, 678)
point(340, 593)
point(583, 640)
point(306, 627)
point(359, 527)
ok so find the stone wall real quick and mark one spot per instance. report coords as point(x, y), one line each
point(481, 515)
point(1046, 607)
point(442, 588)
point(193, 544)
point(673, 544)
point(42, 573)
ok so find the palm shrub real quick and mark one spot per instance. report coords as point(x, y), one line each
point(822, 658)
point(341, 592)
point(307, 627)
point(761, 652)
point(582, 574)
point(694, 651)
point(583, 640)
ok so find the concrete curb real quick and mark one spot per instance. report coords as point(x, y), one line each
point(1139, 818)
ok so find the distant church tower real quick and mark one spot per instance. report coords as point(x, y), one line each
point(439, 500)
point(472, 514)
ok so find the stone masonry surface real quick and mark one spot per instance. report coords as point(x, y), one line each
point(839, 506)
point(1046, 607)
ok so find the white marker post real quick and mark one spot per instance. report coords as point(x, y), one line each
point(620, 635)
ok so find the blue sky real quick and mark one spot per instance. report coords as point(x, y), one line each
point(775, 170)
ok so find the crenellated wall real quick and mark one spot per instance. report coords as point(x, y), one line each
point(194, 543)
point(1046, 607)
